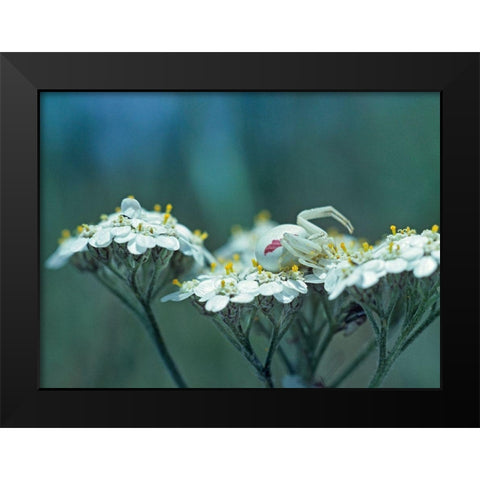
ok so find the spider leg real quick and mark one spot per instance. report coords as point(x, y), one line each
point(304, 217)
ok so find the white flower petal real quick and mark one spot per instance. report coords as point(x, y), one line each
point(176, 296)
point(397, 265)
point(374, 265)
point(217, 303)
point(412, 253)
point(367, 279)
point(58, 259)
point(332, 279)
point(101, 239)
point(247, 286)
point(310, 278)
point(243, 298)
point(297, 285)
point(270, 288)
point(130, 207)
point(183, 231)
point(417, 241)
point(425, 267)
point(121, 231)
point(198, 255)
point(320, 273)
point(134, 248)
point(206, 288)
point(125, 238)
point(145, 241)
point(339, 288)
point(78, 244)
point(168, 242)
point(436, 255)
point(286, 296)
point(185, 247)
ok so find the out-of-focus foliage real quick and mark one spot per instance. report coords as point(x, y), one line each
point(219, 158)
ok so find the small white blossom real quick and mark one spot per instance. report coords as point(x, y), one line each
point(141, 236)
point(284, 286)
point(96, 236)
point(186, 290)
point(408, 251)
point(217, 292)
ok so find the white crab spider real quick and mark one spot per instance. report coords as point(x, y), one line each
point(281, 246)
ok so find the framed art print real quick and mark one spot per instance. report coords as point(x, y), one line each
point(239, 239)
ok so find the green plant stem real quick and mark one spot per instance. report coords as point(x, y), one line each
point(238, 339)
point(148, 320)
point(356, 362)
point(279, 329)
point(321, 350)
point(285, 360)
point(280, 349)
point(403, 341)
point(271, 350)
point(118, 294)
point(154, 331)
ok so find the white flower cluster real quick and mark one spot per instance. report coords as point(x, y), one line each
point(218, 290)
point(243, 280)
point(140, 230)
point(402, 251)
point(341, 262)
point(336, 261)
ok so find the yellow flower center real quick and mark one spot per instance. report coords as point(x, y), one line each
point(263, 216)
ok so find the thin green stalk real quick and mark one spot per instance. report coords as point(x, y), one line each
point(154, 331)
point(159, 266)
point(419, 330)
point(383, 364)
point(403, 341)
point(281, 351)
point(238, 339)
point(118, 294)
point(271, 350)
point(321, 350)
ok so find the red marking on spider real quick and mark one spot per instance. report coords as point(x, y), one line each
point(272, 247)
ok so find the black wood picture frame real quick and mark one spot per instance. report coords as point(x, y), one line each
point(23, 404)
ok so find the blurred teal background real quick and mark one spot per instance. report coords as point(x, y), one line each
point(219, 158)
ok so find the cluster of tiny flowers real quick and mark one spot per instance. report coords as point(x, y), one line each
point(218, 290)
point(242, 280)
point(336, 261)
point(403, 250)
point(140, 230)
